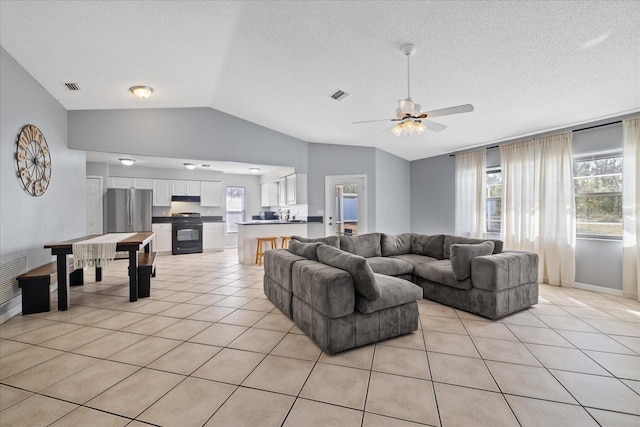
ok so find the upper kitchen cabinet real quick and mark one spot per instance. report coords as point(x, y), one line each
point(127, 182)
point(186, 188)
point(296, 191)
point(162, 192)
point(269, 194)
point(282, 192)
point(210, 193)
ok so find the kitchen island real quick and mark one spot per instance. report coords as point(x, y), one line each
point(249, 231)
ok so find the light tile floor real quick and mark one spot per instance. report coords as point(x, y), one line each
point(207, 348)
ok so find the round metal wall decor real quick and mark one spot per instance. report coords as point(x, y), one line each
point(34, 160)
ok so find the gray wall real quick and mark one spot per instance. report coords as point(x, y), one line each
point(433, 195)
point(330, 159)
point(598, 261)
point(192, 133)
point(28, 223)
point(393, 193)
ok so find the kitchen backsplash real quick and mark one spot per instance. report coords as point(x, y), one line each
point(177, 207)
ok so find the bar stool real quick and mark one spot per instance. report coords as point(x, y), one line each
point(261, 241)
point(285, 241)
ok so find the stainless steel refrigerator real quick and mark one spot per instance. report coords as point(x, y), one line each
point(127, 210)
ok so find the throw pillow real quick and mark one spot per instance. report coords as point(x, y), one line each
point(395, 245)
point(365, 245)
point(450, 240)
point(462, 254)
point(357, 266)
point(329, 240)
point(305, 250)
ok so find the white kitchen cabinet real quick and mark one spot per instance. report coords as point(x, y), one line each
point(269, 194)
point(162, 238)
point(210, 193)
point(120, 182)
point(162, 192)
point(143, 183)
point(296, 191)
point(213, 236)
point(193, 188)
point(185, 188)
point(282, 191)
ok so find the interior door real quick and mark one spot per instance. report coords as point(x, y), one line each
point(346, 205)
point(94, 204)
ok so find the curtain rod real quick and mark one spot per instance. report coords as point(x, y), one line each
point(577, 130)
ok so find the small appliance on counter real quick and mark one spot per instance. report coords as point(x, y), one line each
point(186, 232)
point(269, 215)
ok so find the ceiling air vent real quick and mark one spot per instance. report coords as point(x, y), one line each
point(72, 86)
point(339, 95)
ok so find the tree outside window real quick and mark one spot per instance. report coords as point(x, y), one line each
point(598, 189)
point(236, 206)
point(494, 200)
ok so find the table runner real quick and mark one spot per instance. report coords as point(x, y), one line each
point(97, 252)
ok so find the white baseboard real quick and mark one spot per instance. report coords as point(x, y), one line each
point(599, 289)
point(11, 308)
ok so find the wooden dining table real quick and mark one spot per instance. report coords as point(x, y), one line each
point(132, 244)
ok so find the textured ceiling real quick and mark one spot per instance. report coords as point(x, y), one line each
point(525, 66)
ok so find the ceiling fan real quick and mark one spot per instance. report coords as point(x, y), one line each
point(409, 116)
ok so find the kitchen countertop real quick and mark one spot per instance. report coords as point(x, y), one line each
point(270, 222)
point(167, 219)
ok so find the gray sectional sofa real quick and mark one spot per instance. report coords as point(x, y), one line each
point(354, 290)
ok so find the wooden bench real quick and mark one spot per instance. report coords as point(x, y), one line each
point(146, 270)
point(35, 286)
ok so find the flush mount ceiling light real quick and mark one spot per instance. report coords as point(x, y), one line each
point(141, 91)
point(254, 170)
point(127, 162)
point(189, 166)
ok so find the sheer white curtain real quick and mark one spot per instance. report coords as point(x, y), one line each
point(631, 208)
point(470, 194)
point(538, 204)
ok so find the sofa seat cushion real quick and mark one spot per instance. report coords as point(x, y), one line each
point(327, 289)
point(390, 266)
point(395, 245)
point(363, 279)
point(329, 240)
point(462, 254)
point(415, 260)
point(441, 272)
point(450, 240)
point(364, 245)
point(395, 292)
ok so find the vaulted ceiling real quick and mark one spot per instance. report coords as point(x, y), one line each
point(525, 66)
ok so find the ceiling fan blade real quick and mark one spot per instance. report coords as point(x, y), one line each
point(436, 127)
point(370, 121)
point(466, 108)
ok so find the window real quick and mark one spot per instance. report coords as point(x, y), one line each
point(598, 187)
point(236, 206)
point(494, 200)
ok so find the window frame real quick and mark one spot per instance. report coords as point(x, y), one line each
point(228, 211)
point(601, 155)
point(489, 170)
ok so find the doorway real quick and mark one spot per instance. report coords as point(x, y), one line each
point(346, 205)
point(94, 204)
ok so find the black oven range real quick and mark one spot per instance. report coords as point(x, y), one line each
point(186, 232)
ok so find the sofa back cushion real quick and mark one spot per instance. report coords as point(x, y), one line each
point(329, 240)
point(306, 250)
point(451, 240)
point(395, 245)
point(462, 254)
point(364, 245)
point(363, 278)
point(431, 246)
